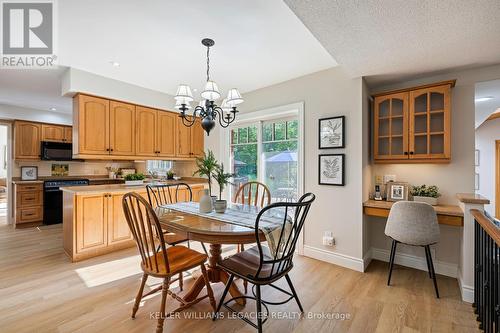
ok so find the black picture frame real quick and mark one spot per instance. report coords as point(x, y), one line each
point(25, 170)
point(342, 166)
point(342, 136)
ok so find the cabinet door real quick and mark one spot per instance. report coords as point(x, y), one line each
point(53, 133)
point(118, 229)
point(93, 125)
point(91, 227)
point(145, 131)
point(27, 140)
point(391, 127)
point(430, 123)
point(121, 129)
point(68, 134)
point(166, 125)
point(183, 139)
point(197, 139)
point(197, 192)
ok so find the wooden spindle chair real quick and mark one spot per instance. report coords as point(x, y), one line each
point(260, 267)
point(157, 260)
point(164, 194)
point(254, 194)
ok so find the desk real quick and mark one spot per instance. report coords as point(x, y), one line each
point(447, 214)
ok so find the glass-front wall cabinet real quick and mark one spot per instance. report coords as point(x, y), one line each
point(413, 125)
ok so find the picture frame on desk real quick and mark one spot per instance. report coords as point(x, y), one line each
point(29, 173)
point(397, 191)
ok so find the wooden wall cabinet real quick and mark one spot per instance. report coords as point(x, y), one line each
point(27, 138)
point(28, 203)
point(413, 125)
point(128, 131)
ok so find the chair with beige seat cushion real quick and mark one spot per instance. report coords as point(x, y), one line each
point(413, 223)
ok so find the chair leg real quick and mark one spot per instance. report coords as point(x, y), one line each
point(139, 295)
point(204, 248)
point(259, 309)
point(293, 292)
point(164, 292)
point(181, 281)
point(428, 264)
point(433, 272)
point(207, 284)
point(391, 264)
point(241, 248)
point(223, 296)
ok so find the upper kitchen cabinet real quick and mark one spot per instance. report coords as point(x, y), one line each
point(27, 137)
point(146, 131)
point(91, 118)
point(68, 134)
point(197, 139)
point(53, 133)
point(413, 125)
point(121, 128)
point(190, 140)
point(165, 129)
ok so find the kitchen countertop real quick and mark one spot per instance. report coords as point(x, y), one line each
point(41, 179)
point(95, 189)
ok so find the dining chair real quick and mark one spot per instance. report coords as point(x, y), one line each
point(164, 194)
point(413, 223)
point(261, 266)
point(157, 260)
point(254, 194)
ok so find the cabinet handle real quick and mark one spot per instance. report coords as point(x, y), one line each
point(406, 153)
point(107, 149)
point(411, 153)
point(111, 149)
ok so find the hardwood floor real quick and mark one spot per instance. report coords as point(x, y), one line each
point(41, 291)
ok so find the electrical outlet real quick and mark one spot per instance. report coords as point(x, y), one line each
point(389, 178)
point(328, 239)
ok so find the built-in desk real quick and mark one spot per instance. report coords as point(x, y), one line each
point(447, 214)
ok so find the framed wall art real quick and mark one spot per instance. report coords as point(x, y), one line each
point(29, 173)
point(331, 169)
point(332, 132)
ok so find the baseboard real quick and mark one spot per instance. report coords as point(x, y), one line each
point(408, 260)
point(466, 291)
point(367, 259)
point(343, 260)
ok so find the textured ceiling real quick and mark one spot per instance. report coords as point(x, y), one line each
point(389, 39)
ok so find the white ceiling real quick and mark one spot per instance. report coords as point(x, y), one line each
point(485, 108)
point(390, 39)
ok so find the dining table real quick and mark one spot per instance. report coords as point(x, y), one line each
point(216, 231)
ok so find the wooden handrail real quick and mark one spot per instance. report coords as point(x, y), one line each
point(492, 230)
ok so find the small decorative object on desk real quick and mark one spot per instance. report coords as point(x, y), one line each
point(222, 179)
point(112, 171)
point(331, 132)
point(29, 173)
point(206, 204)
point(331, 169)
point(427, 194)
point(134, 179)
point(397, 191)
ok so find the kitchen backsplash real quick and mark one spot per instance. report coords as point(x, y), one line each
point(180, 168)
point(75, 168)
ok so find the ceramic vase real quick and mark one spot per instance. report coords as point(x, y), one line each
point(206, 203)
point(220, 206)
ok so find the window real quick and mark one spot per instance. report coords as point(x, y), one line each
point(160, 168)
point(267, 152)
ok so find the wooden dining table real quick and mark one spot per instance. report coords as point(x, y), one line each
point(215, 233)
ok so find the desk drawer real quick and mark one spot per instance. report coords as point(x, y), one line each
point(31, 214)
point(28, 199)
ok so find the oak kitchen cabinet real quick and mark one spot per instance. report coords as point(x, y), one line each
point(28, 202)
point(94, 222)
point(413, 125)
point(29, 135)
point(128, 131)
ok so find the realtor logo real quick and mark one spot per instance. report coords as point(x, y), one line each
point(28, 34)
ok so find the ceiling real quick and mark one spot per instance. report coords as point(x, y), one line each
point(485, 108)
point(386, 40)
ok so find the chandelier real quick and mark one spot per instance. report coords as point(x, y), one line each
point(207, 110)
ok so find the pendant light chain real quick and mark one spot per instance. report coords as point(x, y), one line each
point(208, 63)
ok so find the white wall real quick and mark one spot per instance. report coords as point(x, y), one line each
point(3, 151)
point(337, 208)
point(486, 134)
point(452, 178)
point(8, 112)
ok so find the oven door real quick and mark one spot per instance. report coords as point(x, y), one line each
point(56, 151)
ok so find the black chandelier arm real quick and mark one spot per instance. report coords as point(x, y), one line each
point(224, 119)
point(188, 123)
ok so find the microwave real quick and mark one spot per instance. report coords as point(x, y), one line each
point(56, 151)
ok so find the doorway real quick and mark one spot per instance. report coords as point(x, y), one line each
point(4, 173)
point(497, 179)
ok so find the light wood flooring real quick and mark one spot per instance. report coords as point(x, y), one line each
point(41, 291)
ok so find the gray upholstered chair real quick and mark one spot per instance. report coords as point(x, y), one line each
point(413, 223)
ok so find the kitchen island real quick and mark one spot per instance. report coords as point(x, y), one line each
point(93, 219)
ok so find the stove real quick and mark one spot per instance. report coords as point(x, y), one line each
point(52, 198)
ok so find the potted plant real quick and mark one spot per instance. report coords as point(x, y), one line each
point(427, 194)
point(207, 164)
point(170, 175)
point(134, 179)
point(222, 179)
